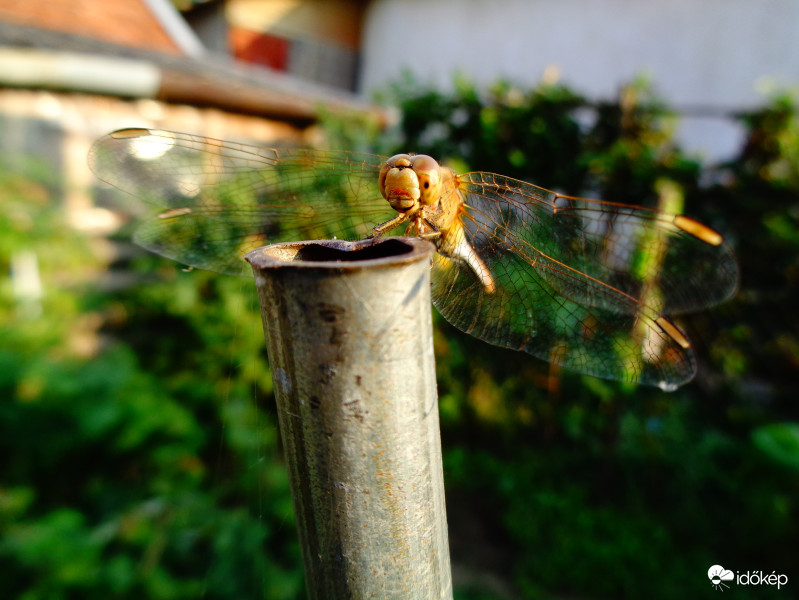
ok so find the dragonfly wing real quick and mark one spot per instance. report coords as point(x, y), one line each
point(525, 313)
point(216, 239)
point(670, 262)
point(525, 308)
point(220, 199)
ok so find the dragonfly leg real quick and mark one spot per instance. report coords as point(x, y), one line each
point(422, 225)
point(379, 230)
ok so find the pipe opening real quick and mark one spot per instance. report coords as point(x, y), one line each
point(337, 253)
point(326, 253)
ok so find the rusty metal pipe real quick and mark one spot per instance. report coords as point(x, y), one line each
point(349, 335)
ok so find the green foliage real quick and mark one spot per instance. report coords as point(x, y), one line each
point(779, 442)
point(135, 464)
point(533, 135)
point(139, 446)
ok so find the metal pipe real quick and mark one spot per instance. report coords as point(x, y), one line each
point(349, 335)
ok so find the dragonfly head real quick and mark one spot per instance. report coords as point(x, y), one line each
point(407, 181)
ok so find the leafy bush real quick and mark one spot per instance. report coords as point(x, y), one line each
point(138, 440)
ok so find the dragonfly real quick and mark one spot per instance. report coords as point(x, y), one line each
point(584, 284)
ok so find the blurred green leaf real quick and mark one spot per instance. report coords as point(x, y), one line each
point(779, 442)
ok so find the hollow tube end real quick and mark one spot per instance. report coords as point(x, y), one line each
point(340, 254)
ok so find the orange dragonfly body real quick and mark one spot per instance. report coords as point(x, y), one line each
point(582, 283)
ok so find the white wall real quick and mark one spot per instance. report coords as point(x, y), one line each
point(707, 54)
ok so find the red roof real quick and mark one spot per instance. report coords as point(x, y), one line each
point(124, 22)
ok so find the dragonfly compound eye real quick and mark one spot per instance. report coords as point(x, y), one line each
point(399, 183)
point(396, 161)
point(429, 174)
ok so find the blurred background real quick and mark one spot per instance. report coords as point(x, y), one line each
point(139, 452)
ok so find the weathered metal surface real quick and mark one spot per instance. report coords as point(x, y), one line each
point(348, 328)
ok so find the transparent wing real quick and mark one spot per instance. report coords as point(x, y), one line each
point(219, 199)
point(580, 283)
point(670, 262)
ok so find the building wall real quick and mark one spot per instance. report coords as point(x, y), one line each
point(313, 39)
point(705, 57)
